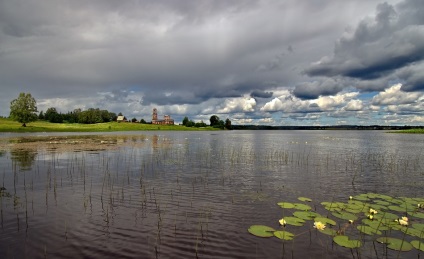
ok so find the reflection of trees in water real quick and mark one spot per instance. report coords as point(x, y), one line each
point(23, 157)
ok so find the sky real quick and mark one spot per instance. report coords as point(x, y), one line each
point(260, 62)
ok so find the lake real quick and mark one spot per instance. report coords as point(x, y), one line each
point(195, 194)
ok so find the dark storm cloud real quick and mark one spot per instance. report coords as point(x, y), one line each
point(312, 90)
point(261, 94)
point(194, 56)
point(413, 78)
point(377, 47)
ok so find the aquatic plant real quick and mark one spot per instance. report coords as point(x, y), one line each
point(395, 222)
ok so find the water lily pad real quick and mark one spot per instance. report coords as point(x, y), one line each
point(361, 197)
point(386, 215)
point(328, 231)
point(408, 206)
point(301, 206)
point(358, 203)
point(284, 235)
point(261, 231)
point(384, 197)
point(397, 208)
point(304, 199)
point(375, 224)
point(368, 230)
point(306, 215)
point(294, 221)
point(325, 220)
point(286, 205)
point(418, 226)
point(345, 242)
point(418, 245)
point(416, 214)
point(380, 202)
point(413, 232)
point(395, 243)
point(345, 215)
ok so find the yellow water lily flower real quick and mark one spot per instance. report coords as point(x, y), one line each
point(370, 217)
point(350, 197)
point(403, 222)
point(350, 221)
point(405, 219)
point(282, 222)
point(319, 225)
point(372, 211)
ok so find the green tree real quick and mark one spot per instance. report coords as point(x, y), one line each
point(214, 120)
point(228, 124)
point(23, 109)
point(53, 116)
point(185, 121)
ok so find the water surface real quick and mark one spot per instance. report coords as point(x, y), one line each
point(188, 194)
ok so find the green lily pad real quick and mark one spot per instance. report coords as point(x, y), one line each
point(301, 206)
point(261, 231)
point(416, 214)
point(304, 199)
point(345, 242)
point(361, 197)
point(345, 215)
point(384, 197)
point(386, 215)
point(284, 235)
point(395, 243)
point(328, 231)
point(380, 202)
point(375, 224)
point(358, 203)
point(413, 232)
point(418, 245)
point(294, 221)
point(286, 205)
point(418, 226)
point(306, 215)
point(397, 208)
point(368, 230)
point(325, 220)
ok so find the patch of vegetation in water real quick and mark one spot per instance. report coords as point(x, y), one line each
point(395, 222)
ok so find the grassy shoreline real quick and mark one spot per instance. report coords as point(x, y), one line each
point(7, 125)
point(409, 131)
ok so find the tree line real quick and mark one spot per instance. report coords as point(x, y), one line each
point(24, 110)
point(90, 116)
point(214, 122)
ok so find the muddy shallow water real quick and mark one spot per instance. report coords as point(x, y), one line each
point(190, 194)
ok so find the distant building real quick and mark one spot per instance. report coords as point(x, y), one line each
point(121, 119)
point(166, 119)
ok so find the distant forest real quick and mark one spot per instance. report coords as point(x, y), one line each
point(89, 116)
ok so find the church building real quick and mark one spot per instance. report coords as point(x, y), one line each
point(166, 119)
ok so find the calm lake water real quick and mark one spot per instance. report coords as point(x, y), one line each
point(191, 194)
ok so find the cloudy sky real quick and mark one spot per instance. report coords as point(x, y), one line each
point(291, 62)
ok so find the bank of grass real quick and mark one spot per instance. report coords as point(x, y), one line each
point(7, 125)
point(410, 131)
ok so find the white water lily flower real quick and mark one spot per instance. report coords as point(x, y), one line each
point(372, 211)
point(319, 225)
point(405, 219)
point(403, 222)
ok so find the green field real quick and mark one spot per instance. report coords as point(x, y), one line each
point(7, 125)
